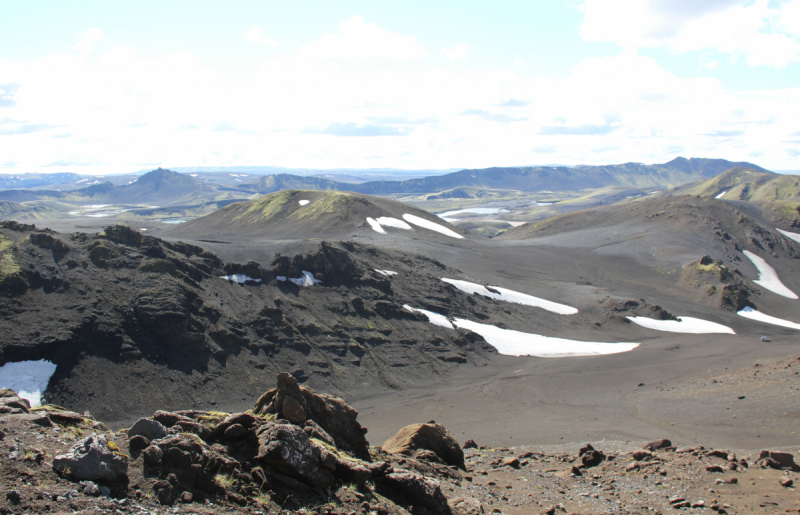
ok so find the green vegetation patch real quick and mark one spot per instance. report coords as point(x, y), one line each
point(8, 267)
point(105, 255)
point(266, 207)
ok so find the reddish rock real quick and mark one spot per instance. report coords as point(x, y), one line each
point(433, 437)
point(658, 444)
point(511, 461)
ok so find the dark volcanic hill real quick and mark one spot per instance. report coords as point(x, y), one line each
point(528, 179)
point(323, 214)
point(135, 323)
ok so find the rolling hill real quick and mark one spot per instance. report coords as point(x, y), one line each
point(300, 214)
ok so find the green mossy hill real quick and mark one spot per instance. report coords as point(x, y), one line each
point(747, 184)
point(286, 205)
point(322, 214)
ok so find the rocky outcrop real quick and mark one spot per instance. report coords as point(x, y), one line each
point(298, 404)
point(12, 403)
point(432, 437)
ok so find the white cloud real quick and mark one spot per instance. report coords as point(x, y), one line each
point(755, 31)
point(256, 35)
point(624, 107)
point(359, 39)
point(459, 51)
point(88, 40)
point(518, 61)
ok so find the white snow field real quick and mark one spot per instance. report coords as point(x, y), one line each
point(433, 226)
point(793, 235)
point(721, 194)
point(682, 325)
point(387, 273)
point(434, 318)
point(511, 296)
point(516, 343)
point(754, 314)
point(28, 378)
point(768, 277)
point(303, 202)
point(240, 278)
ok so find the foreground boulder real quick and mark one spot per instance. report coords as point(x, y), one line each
point(432, 437)
point(655, 445)
point(92, 459)
point(150, 429)
point(298, 404)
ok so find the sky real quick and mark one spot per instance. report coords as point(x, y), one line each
point(96, 87)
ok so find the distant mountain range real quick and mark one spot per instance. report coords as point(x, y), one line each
point(160, 186)
point(165, 193)
point(527, 179)
point(33, 180)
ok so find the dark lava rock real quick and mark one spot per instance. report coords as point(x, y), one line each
point(417, 489)
point(331, 413)
point(289, 450)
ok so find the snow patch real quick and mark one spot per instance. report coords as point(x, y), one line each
point(240, 278)
point(517, 343)
point(28, 378)
point(387, 273)
point(721, 194)
point(375, 225)
point(307, 279)
point(682, 325)
point(511, 296)
point(434, 318)
point(768, 277)
point(303, 202)
point(754, 314)
point(433, 226)
point(388, 221)
point(793, 235)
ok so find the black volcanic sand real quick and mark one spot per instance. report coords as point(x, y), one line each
point(608, 264)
